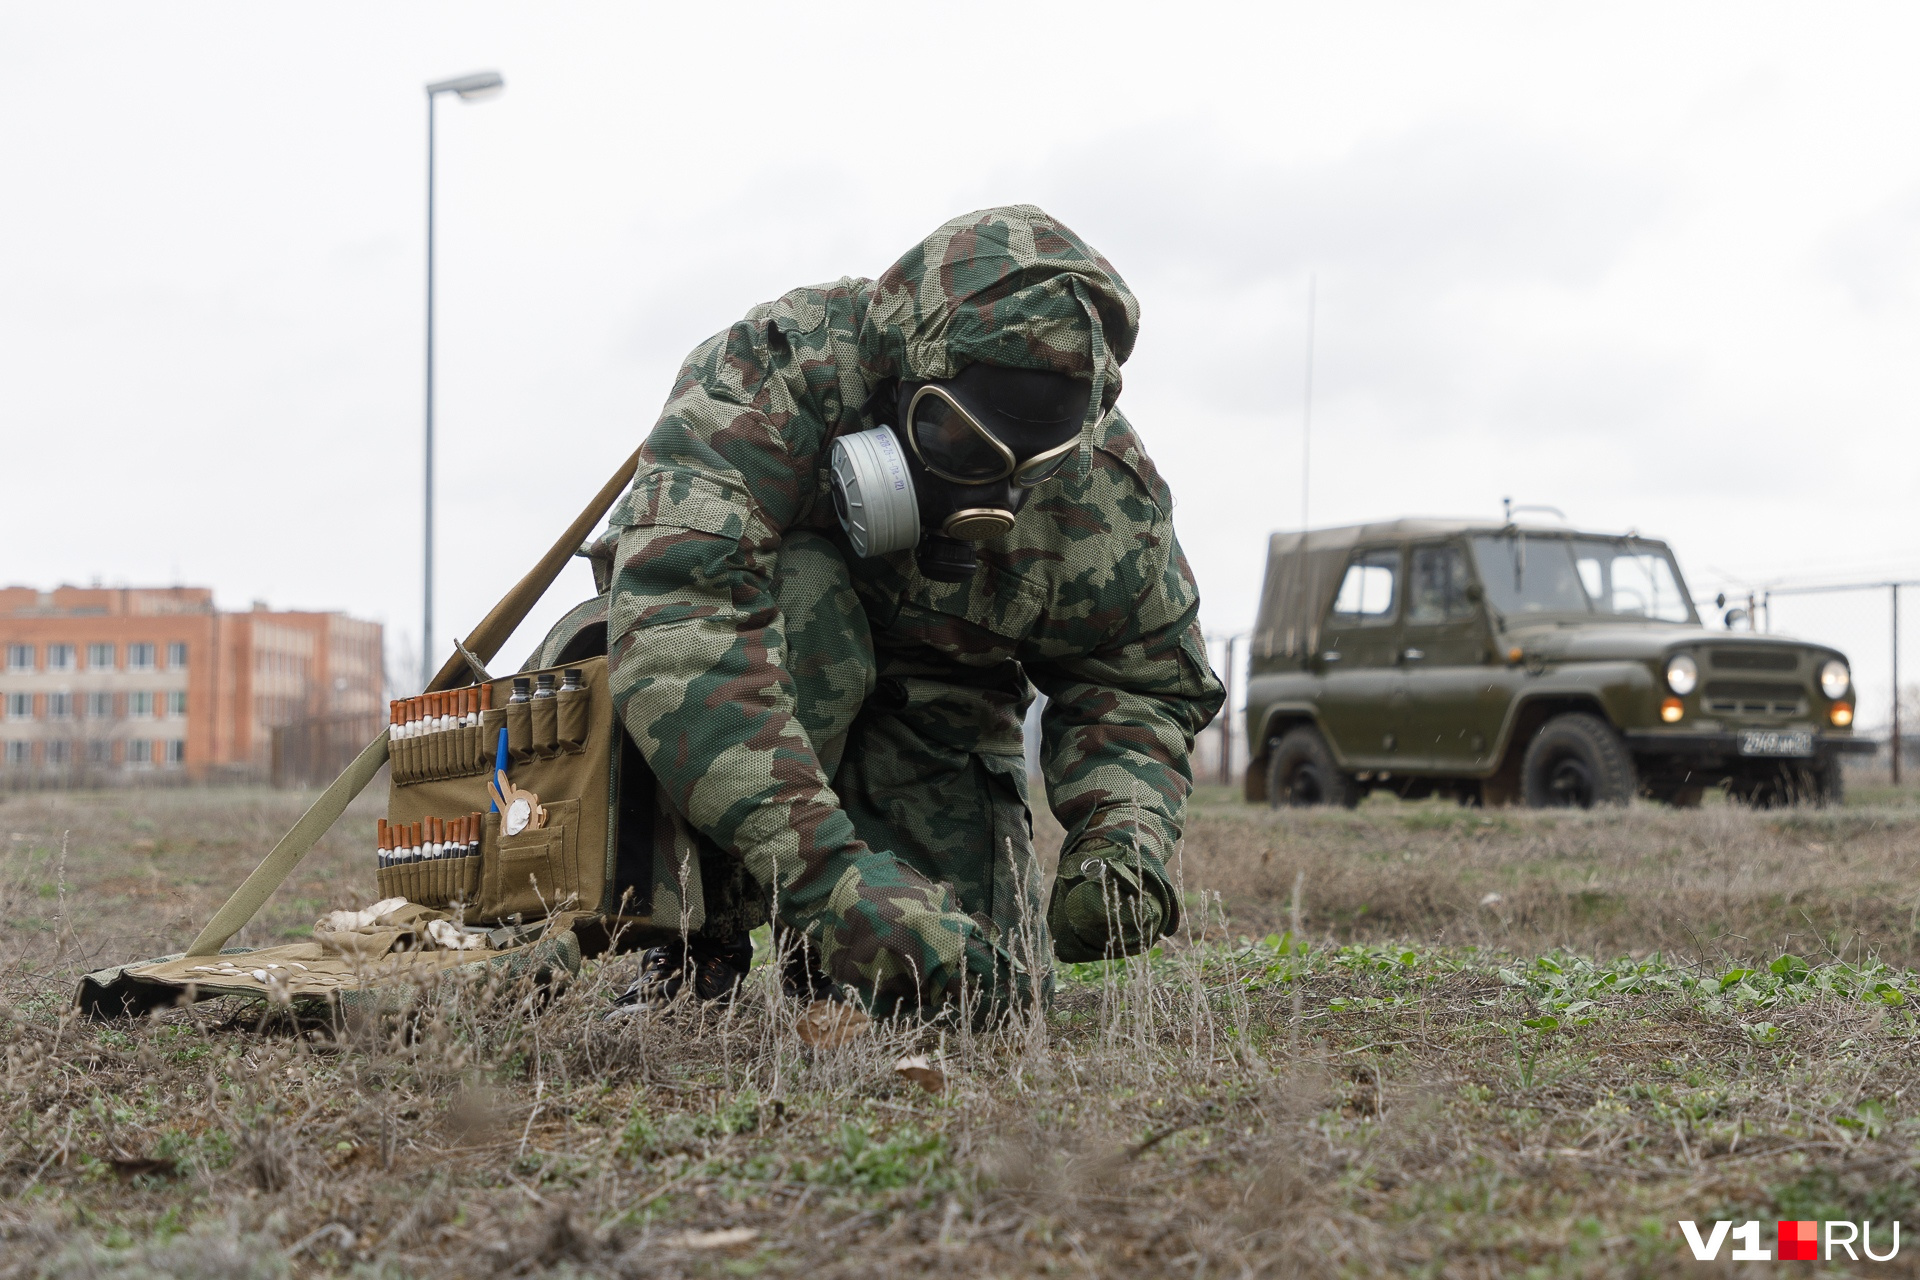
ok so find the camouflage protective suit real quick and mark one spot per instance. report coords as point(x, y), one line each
point(847, 733)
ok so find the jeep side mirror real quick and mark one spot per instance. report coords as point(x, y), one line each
point(1735, 617)
point(1474, 593)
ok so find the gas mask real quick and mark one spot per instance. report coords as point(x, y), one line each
point(953, 461)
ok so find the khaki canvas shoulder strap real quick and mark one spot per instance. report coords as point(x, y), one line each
point(485, 641)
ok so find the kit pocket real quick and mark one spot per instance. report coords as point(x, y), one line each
point(520, 731)
point(492, 721)
point(574, 716)
point(432, 882)
point(402, 756)
point(463, 752)
point(546, 727)
point(530, 875)
point(437, 754)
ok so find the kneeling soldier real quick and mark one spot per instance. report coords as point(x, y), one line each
point(872, 519)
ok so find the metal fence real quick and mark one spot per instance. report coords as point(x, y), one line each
point(1862, 620)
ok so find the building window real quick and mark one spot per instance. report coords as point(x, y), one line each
point(59, 706)
point(59, 657)
point(177, 751)
point(56, 753)
point(139, 751)
point(19, 754)
point(19, 706)
point(100, 706)
point(19, 657)
point(177, 656)
point(177, 702)
point(100, 657)
point(139, 705)
point(99, 753)
point(139, 657)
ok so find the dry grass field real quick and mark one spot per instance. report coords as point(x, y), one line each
point(1496, 1043)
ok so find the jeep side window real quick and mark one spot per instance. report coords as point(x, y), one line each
point(1370, 591)
point(1437, 590)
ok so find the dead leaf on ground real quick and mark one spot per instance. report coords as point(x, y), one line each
point(827, 1025)
point(920, 1069)
point(726, 1238)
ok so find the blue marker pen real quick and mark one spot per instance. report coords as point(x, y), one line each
point(499, 765)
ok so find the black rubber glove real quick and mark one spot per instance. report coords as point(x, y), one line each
point(1102, 907)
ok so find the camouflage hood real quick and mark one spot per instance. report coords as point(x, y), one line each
point(1012, 287)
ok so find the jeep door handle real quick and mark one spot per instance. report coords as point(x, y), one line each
point(1331, 655)
point(1413, 655)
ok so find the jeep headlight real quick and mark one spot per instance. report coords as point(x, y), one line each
point(1683, 674)
point(1835, 679)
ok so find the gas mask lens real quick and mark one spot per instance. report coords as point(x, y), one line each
point(953, 445)
point(1038, 469)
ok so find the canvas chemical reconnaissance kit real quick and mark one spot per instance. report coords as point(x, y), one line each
point(521, 833)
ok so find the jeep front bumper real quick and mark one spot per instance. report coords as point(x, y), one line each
point(1727, 743)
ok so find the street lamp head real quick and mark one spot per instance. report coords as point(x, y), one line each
point(471, 88)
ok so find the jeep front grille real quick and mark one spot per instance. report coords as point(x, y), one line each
point(1752, 698)
point(1748, 658)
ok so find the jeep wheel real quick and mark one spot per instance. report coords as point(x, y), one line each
point(1576, 761)
point(1302, 772)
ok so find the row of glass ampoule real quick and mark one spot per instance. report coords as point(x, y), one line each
point(428, 839)
point(438, 712)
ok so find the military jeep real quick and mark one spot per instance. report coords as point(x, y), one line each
point(1503, 664)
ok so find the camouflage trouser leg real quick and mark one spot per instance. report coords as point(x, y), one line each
point(949, 809)
point(830, 658)
point(931, 773)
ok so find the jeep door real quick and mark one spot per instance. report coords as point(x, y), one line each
point(1362, 694)
point(1454, 704)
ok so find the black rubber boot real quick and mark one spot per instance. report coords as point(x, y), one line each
point(718, 966)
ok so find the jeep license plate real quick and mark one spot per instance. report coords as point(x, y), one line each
point(1776, 742)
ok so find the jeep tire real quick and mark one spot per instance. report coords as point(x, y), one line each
point(1576, 761)
point(1301, 772)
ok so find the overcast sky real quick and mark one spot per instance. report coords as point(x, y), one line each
point(1654, 265)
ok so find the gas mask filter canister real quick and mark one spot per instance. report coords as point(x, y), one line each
point(873, 493)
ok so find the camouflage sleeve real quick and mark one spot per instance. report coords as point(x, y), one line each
point(1120, 722)
point(699, 677)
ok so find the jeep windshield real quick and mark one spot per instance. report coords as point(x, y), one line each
point(1561, 574)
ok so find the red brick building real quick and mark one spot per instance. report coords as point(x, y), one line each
point(117, 683)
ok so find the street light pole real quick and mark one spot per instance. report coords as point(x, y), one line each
point(476, 87)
